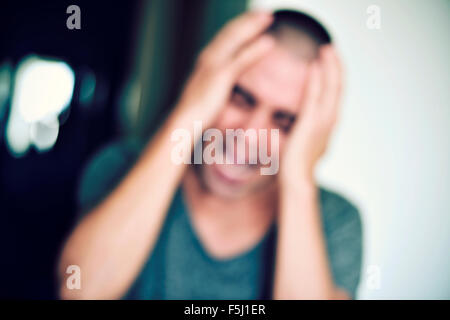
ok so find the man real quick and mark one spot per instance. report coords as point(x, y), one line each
point(225, 231)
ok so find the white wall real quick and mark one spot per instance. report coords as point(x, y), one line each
point(391, 151)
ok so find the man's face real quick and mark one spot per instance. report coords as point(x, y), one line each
point(266, 96)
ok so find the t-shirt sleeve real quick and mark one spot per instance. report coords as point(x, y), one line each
point(344, 244)
point(104, 172)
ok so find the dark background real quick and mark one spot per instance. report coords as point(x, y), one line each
point(152, 43)
point(37, 191)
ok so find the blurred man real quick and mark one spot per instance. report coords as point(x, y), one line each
point(154, 229)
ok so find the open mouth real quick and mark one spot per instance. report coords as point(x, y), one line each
point(232, 173)
point(236, 172)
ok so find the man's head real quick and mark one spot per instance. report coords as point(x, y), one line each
point(267, 96)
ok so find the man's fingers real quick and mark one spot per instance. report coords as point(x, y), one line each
point(332, 80)
point(236, 34)
point(313, 89)
point(251, 53)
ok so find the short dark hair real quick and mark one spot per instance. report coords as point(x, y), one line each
point(302, 22)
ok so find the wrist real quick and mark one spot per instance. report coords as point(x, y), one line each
point(302, 192)
point(297, 177)
point(187, 115)
point(298, 184)
point(295, 185)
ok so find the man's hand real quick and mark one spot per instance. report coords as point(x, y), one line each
point(239, 44)
point(317, 117)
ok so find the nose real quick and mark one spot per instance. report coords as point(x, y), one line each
point(255, 121)
point(258, 119)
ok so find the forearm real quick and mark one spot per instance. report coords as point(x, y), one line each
point(112, 242)
point(302, 268)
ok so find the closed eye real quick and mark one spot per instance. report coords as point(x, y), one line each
point(242, 98)
point(284, 120)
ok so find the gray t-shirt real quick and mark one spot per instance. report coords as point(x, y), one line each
point(179, 267)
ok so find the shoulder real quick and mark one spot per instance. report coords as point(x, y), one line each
point(338, 211)
point(105, 169)
point(344, 238)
